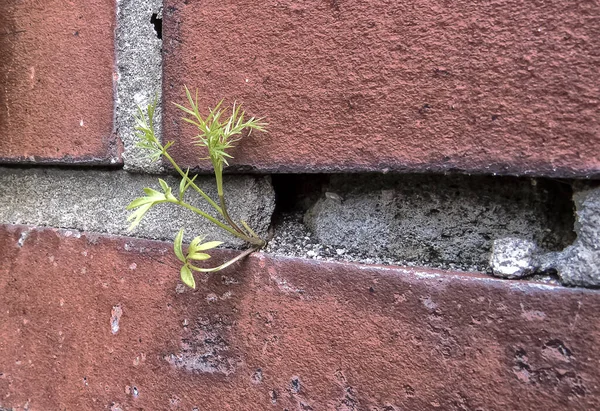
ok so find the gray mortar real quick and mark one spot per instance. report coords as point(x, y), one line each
point(139, 68)
point(579, 263)
point(93, 200)
point(437, 221)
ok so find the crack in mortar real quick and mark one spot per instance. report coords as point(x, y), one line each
point(448, 222)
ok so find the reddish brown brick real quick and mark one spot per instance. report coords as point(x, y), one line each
point(98, 322)
point(56, 71)
point(498, 87)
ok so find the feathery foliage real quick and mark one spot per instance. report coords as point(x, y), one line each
point(218, 132)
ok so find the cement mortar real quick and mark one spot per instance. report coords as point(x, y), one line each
point(439, 221)
point(579, 263)
point(96, 200)
point(139, 68)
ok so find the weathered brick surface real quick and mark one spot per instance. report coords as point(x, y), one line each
point(102, 323)
point(56, 76)
point(506, 86)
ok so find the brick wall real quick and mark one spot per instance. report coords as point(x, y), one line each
point(381, 287)
point(508, 87)
point(57, 83)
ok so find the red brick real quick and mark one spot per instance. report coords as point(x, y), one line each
point(507, 87)
point(56, 71)
point(326, 335)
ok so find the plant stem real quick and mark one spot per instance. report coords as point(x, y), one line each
point(233, 229)
point(218, 168)
point(208, 217)
point(254, 241)
point(249, 230)
point(202, 193)
point(225, 265)
point(226, 215)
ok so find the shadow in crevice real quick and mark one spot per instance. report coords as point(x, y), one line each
point(156, 21)
point(446, 221)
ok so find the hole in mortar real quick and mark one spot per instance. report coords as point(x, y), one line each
point(346, 216)
point(157, 22)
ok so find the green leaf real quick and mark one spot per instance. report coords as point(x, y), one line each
point(168, 196)
point(208, 245)
point(137, 215)
point(189, 96)
point(152, 107)
point(218, 130)
point(140, 201)
point(183, 184)
point(187, 277)
point(177, 246)
point(143, 204)
point(198, 256)
point(189, 120)
point(184, 109)
point(164, 185)
point(195, 242)
point(153, 193)
point(156, 155)
point(152, 197)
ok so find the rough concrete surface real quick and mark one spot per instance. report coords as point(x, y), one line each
point(439, 220)
point(139, 65)
point(56, 82)
point(502, 86)
point(579, 263)
point(96, 200)
point(96, 322)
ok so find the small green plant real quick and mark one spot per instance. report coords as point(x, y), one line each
point(218, 132)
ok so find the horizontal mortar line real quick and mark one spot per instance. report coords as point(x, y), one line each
point(240, 170)
point(102, 210)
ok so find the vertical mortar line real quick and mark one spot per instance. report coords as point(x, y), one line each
point(139, 76)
